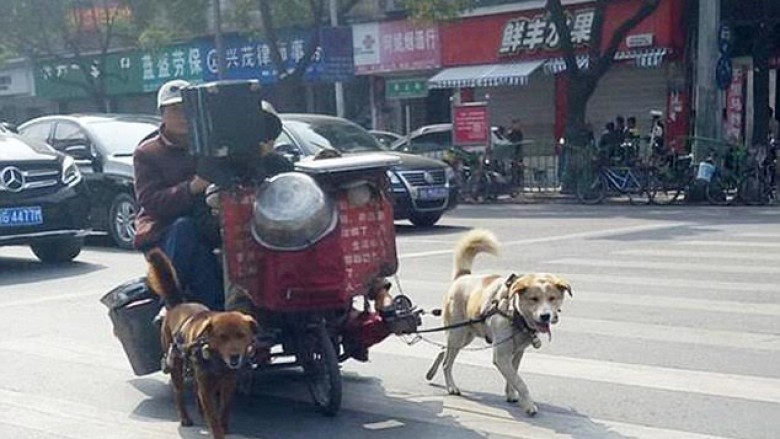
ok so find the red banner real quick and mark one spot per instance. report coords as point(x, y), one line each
point(531, 34)
point(471, 124)
point(735, 104)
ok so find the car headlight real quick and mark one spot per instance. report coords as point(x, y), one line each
point(393, 178)
point(70, 171)
point(291, 212)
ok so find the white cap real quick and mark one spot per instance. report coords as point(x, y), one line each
point(656, 113)
point(170, 92)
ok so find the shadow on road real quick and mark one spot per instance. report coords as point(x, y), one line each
point(562, 420)
point(279, 407)
point(15, 271)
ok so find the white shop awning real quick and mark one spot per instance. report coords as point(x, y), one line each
point(486, 75)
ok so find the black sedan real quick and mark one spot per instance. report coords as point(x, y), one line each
point(43, 199)
point(423, 188)
point(103, 146)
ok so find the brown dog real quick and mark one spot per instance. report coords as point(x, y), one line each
point(508, 312)
point(214, 345)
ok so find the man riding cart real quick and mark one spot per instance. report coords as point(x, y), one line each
point(297, 247)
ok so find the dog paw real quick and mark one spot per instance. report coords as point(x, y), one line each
point(531, 410)
point(453, 391)
point(512, 399)
point(186, 422)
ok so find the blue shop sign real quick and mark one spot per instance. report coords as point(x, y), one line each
point(246, 58)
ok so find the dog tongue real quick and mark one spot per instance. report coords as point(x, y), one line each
point(543, 327)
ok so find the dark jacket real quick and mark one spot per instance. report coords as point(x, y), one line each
point(163, 170)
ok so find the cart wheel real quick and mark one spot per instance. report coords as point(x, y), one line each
point(323, 375)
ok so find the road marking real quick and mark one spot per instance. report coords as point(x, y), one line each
point(702, 255)
point(666, 282)
point(723, 385)
point(641, 300)
point(74, 420)
point(671, 334)
point(581, 235)
point(53, 298)
point(759, 235)
point(671, 266)
point(484, 418)
point(732, 244)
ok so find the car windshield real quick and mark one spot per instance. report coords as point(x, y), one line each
point(333, 134)
point(120, 137)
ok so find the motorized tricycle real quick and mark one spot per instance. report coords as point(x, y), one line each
point(302, 250)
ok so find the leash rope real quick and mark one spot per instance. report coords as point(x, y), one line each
point(418, 338)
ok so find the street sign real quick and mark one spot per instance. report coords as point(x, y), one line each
point(471, 124)
point(407, 88)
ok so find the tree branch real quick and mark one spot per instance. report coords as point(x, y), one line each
point(558, 17)
point(607, 57)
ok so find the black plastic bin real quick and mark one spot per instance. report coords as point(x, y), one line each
point(132, 308)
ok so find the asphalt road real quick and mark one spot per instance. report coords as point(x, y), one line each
point(673, 332)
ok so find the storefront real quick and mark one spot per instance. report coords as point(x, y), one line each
point(522, 71)
point(398, 57)
point(131, 79)
point(17, 101)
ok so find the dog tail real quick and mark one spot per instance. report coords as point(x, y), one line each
point(475, 242)
point(162, 278)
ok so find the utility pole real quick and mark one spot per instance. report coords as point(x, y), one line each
point(219, 43)
point(338, 86)
point(708, 104)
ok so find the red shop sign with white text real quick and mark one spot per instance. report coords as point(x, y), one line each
point(471, 124)
point(531, 34)
point(395, 46)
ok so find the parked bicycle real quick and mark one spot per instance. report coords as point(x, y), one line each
point(637, 182)
point(672, 179)
point(748, 180)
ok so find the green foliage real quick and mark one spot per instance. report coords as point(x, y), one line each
point(434, 10)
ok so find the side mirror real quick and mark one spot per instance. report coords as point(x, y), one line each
point(290, 152)
point(79, 152)
point(10, 127)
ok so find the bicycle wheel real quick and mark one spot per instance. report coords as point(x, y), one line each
point(665, 189)
point(753, 191)
point(720, 191)
point(591, 189)
point(642, 192)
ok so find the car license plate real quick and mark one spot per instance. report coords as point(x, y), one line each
point(432, 193)
point(21, 216)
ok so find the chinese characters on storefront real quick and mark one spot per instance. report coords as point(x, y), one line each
point(395, 46)
point(144, 71)
point(525, 34)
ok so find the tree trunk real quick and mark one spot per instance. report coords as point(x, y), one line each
point(575, 153)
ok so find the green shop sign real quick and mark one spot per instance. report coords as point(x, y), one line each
point(158, 66)
point(406, 88)
point(65, 79)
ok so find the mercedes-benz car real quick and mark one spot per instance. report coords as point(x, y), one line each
point(103, 146)
point(43, 199)
point(423, 188)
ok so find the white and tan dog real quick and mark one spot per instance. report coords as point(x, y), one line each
point(507, 312)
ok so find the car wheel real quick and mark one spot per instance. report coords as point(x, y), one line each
point(58, 251)
point(121, 220)
point(424, 219)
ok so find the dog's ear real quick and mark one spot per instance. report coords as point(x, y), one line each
point(204, 330)
point(562, 284)
point(252, 324)
point(518, 285)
